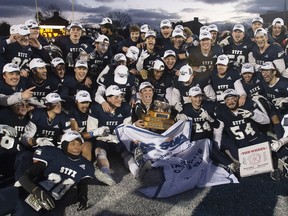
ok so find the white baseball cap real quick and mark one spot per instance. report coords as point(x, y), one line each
point(150, 33)
point(75, 24)
point(102, 39)
point(106, 20)
point(144, 28)
point(10, 67)
point(169, 53)
point(165, 23)
point(230, 93)
point(278, 21)
point(13, 29)
point(222, 59)
point(113, 90)
point(36, 62)
point(213, 27)
point(23, 30)
point(145, 85)
point(178, 32)
point(158, 65)
point(53, 98)
point(203, 29)
point(185, 73)
point(247, 68)
point(120, 57)
point(260, 32)
point(267, 66)
point(81, 63)
point(195, 90)
point(132, 53)
point(121, 74)
point(56, 61)
point(83, 96)
point(257, 19)
point(71, 135)
point(179, 27)
point(239, 27)
point(205, 35)
point(31, 23)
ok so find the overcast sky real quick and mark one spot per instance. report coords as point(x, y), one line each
point(144, 11)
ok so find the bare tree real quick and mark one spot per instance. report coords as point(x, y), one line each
point(120, 19)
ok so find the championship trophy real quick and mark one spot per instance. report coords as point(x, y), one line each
point(159, 118)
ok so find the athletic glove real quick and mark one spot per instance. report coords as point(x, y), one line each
point(8, 130)
point(181, 117)
point(144, 54)
point(101, 131)
point(277, 144)
point(44, 141)
point(178, 107)
point(205, 115)
point(278, 102)
point(224, 42)
point(245, 113)
point(83, 205)
point(43, 198)
point(234, 167)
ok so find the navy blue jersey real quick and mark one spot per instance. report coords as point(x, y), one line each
point(8, 90)
point(51, 129)
point(238, 54)
point(97, 62)
point(238, 128)
point(42, 89)
point(61, 172)
point(70, 87)
point(79, 117)
point(126, 43)
point(197, 59)
point(8, 117)
point(15, 53)
point(273, 52)
point(70, 50)
point(184, 90)
point(160, 86)
point(108, 119)
point(19, 55)
point(128, 88)
point(227, 82)
point(280, 89)
point(201, 128)
point(179, 62)
point(162, 42)
point(148, 62)
point(255, 86)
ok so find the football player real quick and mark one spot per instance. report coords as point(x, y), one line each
point(239, 125)
point(49, 182)
point(19, 49)
point(203, 57)
point(123, 79)
point(264, 52)
point(187, 79)
point(44, 84)
point(238, 47)
point(70, 44)
point(78, 116)
point(223, 78)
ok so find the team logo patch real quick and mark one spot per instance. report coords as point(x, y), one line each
point(82, 166)
point(38, 151)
